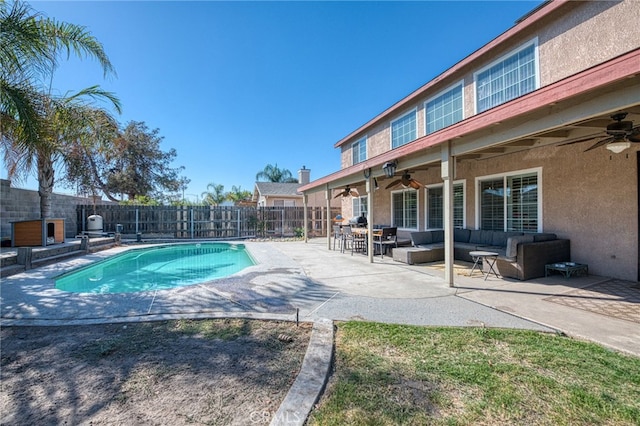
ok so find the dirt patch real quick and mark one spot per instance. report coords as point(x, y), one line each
point(232, 372)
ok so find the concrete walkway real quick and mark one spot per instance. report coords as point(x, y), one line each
point(307, 281)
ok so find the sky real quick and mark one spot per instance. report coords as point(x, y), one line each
point(234, 86)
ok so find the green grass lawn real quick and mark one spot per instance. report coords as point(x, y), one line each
point(396, 374)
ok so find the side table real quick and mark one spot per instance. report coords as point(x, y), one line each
point(489, 257)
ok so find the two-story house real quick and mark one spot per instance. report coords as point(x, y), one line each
point(537, 131)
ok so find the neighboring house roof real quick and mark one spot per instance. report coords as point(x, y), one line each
point(276, 189)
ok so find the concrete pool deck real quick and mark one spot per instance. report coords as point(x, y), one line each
point(308, 281)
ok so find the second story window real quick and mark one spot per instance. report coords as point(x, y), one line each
point(444, 109)
point(512, 76)
point(403, 130)
point(359, 151)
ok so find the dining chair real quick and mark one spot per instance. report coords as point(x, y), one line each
point(357, 240)
point(388, 237)
point(338, 236)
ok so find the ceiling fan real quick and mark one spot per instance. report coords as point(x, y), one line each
point(348, 191)
point(620, 134)
point(407, 181)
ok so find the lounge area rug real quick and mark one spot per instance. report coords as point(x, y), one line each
point(614, 298)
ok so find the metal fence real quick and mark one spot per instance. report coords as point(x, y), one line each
point(194, 222)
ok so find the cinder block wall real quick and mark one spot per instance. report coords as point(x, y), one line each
point(24, 204)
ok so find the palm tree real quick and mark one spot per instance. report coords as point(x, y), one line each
point(237, 194)
point(214, 195)
point(275, 174)
point(34, 126)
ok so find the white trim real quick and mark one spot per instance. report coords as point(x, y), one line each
point(534, 42)
point(478, 179)
point(440, 185)
point(437, 95)
point(413, 110)
point(366, 151)
point(391, 193)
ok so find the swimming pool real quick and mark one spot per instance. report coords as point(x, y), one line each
point(158, 268)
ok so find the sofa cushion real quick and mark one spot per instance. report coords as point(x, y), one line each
point(461, 235)
point(500, 238)
point(437, 236)
point(511, 251)
point(544, 237)
point(420, 238)
point(486, 237)
point(475, 236)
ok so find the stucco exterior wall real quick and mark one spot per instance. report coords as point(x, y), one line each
point(576, 39)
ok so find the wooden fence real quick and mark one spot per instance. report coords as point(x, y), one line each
point(193, 222)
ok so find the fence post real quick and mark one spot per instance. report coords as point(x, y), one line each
point(137, 220)
point(238, 222)
point(191, 222)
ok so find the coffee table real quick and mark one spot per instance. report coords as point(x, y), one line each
point(566, 268)
point(481, 256)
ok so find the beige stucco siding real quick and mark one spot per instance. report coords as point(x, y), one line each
point(570, 181)
point(569, 44)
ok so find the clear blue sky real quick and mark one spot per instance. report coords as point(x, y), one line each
point(234, 86)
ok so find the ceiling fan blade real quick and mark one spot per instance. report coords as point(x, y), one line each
point(415, 184)
point(339, 194)
point(354, 193)
point(394, 183)
point(580, 140)
point(634, 136)
point(599, 144)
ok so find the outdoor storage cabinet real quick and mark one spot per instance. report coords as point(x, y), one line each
point(37, 232)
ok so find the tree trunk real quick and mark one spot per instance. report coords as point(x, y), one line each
point(45, 184)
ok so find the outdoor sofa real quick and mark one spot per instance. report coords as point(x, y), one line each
point(521, 256)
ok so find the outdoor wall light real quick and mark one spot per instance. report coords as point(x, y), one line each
point(390, 168)
point(618, 147)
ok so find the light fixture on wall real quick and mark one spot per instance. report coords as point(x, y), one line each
point(618, 147)
point(390, 168)
point(375, 184)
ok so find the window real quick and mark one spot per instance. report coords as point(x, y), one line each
point(403, 130)
point(435, 206)
point(360, 206)
point(404, 209)
point(444, 109)
point(284, 203)
point(510, 203)
point(511, 77)
point(359, 151)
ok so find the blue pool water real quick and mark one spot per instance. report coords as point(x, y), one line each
point(156, 268)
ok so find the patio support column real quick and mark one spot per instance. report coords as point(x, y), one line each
point(327, 197)
point(447, 173)
point(305, 216)
point(369, 186)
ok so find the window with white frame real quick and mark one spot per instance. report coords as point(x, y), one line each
point(284, 203)
point(510, 202)
point(360, 206)
point(404, 209)
point(435, 206)
point(512, 76)
point(403, 129)
point(359, 151)
point(444, 109)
